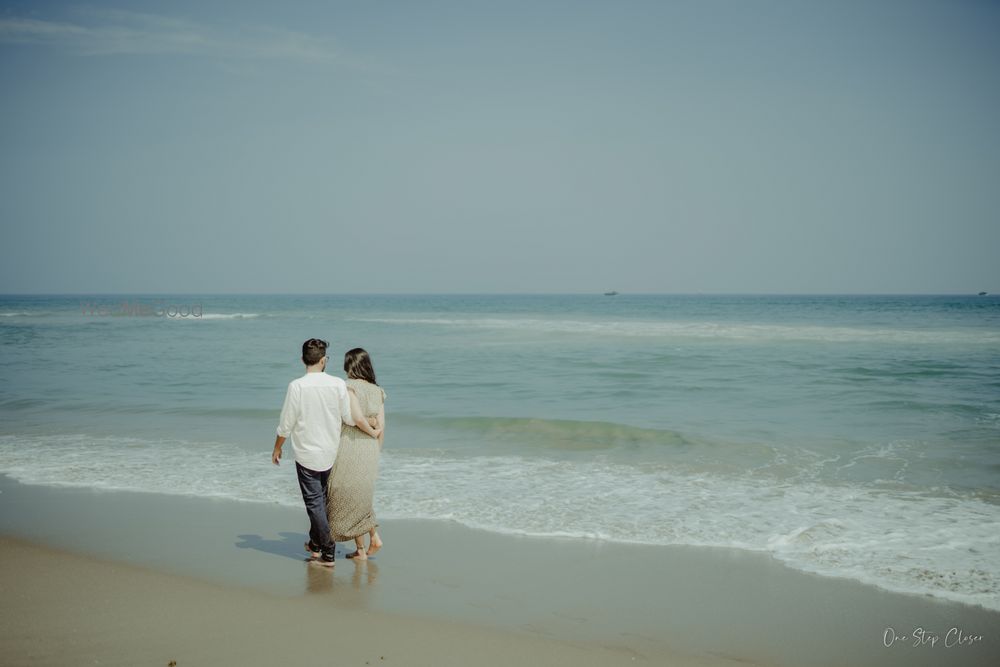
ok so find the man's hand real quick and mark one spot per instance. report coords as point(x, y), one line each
point(373, 423)
point(276, 454)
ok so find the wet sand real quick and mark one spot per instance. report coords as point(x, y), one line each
point(227, 581)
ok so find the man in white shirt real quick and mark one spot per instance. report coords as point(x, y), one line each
point(315, 405)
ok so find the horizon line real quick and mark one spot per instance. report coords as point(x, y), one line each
point(599, 293)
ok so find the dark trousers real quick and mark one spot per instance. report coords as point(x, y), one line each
point(313, 487)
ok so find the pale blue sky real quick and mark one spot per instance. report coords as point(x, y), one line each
point(704, 146)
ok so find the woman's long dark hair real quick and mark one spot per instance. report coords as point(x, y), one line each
point(358, 365)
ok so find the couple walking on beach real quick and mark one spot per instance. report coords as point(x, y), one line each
point(336, 428)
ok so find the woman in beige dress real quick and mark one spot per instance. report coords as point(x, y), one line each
point(351, 487)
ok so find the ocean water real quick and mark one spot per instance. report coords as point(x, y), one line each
point(852, 436)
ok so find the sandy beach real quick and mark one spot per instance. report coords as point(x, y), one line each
point(62, 608)
point(129, 578)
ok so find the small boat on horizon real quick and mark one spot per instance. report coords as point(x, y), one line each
point(611, 293)
point(982, 294)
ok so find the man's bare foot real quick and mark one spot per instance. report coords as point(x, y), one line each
point(374, 544)
point(359, 554)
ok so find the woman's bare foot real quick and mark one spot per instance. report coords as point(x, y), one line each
point(358, 554)
point(374, 544)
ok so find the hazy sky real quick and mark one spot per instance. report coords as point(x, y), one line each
point(729, 146)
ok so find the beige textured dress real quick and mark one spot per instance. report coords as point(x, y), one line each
point(351, 486)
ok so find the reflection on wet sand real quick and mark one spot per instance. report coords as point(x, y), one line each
point(321, 579)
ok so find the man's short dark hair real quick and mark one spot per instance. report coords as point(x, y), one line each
point(313, 350)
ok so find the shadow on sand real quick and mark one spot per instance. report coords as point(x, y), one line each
point(291, 545)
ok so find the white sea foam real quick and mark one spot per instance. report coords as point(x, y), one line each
point(945, 545)
point(228, 316)
point(111, 313)
point(705, 330)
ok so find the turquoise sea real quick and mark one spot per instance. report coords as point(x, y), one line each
point(853, 436)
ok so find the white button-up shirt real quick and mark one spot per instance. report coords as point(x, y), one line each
point(315, 405)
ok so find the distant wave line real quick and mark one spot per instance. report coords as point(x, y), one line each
point(704, 330)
